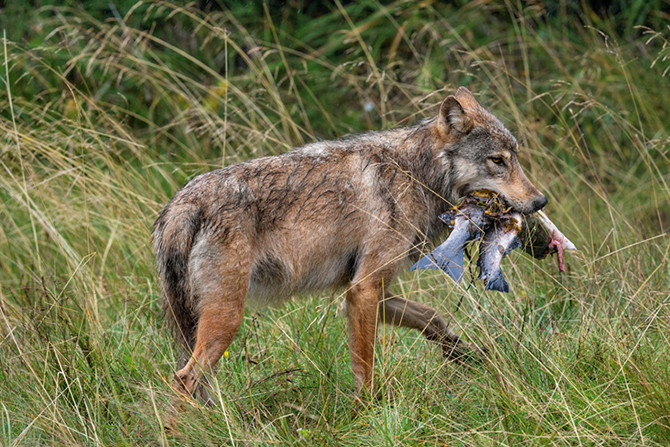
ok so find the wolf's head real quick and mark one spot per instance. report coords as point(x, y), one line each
point(483, 154)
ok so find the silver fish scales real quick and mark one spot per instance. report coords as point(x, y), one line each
point(483, 216)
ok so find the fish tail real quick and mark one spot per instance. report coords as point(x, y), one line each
point(497, 283)
point(453, 265)
point(427, 262)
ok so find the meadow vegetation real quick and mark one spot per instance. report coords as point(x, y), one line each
point(106, 111)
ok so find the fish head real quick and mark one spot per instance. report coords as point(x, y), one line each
point(483, 154)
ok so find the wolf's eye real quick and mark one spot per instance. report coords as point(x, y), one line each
point(497, 160)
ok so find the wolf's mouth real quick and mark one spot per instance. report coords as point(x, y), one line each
point(503, 205)
point(488, 194)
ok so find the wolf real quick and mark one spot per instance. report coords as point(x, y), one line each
point(350, 213)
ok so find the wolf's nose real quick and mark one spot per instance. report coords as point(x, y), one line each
point(539, 203)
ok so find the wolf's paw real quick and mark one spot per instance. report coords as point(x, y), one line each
point(464, 352)
point(170, 425)
point(184, 382)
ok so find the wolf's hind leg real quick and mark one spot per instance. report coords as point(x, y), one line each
point(219, 281)
point(398, 311)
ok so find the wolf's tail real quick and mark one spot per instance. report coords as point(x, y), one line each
point(173, 235)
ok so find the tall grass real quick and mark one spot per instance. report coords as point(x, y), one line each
point(102, 120)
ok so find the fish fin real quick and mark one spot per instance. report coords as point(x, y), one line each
point(516, 243)
point(497, 283)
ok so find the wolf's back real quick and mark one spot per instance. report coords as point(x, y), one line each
point(173, 235)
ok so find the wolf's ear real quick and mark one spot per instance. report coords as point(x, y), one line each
point(452, 119)
point(466, 99)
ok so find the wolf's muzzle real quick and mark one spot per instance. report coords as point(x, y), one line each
point(539, 203)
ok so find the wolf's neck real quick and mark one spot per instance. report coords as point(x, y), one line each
point(418, 154)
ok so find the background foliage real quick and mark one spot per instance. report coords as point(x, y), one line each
point(107, 108)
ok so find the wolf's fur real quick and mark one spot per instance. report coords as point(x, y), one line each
point(349, 212)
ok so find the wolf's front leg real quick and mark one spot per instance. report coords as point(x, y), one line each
point(410, 314)
point(362, 302)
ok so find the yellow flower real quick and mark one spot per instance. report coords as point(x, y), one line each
point(226, 354)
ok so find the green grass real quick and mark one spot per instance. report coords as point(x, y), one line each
point(103, 117)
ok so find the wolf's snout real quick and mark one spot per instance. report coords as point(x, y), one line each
point(529, 206)
point(539, 203)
